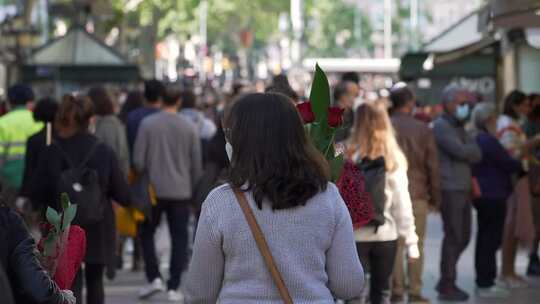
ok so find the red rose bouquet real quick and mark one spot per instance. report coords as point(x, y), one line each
point(322, 123)
point(63, 246)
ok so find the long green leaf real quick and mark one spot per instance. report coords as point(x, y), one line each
point(64, 199)
point(69, 215)
point(320, 98)
point(336, 167)
point(53, 217)
point(49, 245)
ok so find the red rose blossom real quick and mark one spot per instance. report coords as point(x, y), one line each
point(335, 117)
point(306, 112)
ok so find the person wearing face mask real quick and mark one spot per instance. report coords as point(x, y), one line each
point(457, 152)
point(494, 175)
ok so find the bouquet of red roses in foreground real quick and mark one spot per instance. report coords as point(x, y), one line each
point(63, 246)
point(322, 122)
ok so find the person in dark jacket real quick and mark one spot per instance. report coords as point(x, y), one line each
point(418, 144)
point(153, 94)
point(134, 100)
point(45, 112)
point(74, 141)
point(29, 281)
point(494, 175)
point(5, 287)
point(457, 152)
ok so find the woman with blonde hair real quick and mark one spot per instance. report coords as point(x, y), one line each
point(373, 141)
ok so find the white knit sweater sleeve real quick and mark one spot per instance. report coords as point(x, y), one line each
point(205, 273)
point(402, 211)
point(345, 273)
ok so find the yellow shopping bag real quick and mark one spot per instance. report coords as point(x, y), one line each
point(127, 220)
point(125, 223)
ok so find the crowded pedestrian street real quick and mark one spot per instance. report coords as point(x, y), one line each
point(124, 288)
point(268, 152)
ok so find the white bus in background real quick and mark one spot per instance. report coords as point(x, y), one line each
point(360, 65)
point(376, 74)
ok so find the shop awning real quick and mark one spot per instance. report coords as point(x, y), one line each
point(80, 73)
point(474, 72)
point(81, 57)
point(515, 13)
point(478, 65)
point(463, 33)
point(77, 47)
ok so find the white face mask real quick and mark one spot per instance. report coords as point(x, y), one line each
point(229, 150)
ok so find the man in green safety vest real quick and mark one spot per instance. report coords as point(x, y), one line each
point(15, 128)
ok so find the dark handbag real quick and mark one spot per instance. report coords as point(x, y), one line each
point(140, 194)
point(263, 246)
point(534, 178)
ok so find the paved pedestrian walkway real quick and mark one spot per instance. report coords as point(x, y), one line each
point(125, 288)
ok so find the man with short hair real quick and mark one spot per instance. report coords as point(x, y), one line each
point(344, 97)
point(206, 127)
point(15, 129)
point(168, 150)
point(153, 93)
point(418, 144)
point(457, 152)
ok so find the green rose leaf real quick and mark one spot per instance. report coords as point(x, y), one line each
point(53, 217)
point(69, 215)
point(64, 198)
point(319, 137)
point(336, 167)
point(49, 245)
point(320, 98)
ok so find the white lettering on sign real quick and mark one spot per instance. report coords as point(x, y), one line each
point(484, 85)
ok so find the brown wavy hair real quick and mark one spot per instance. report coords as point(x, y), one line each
point(273, 157)
point(373, 136)
point(74, 113)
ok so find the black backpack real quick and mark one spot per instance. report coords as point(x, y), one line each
point(83, 188)
point(374, 172)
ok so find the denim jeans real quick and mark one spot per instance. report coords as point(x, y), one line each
point(178, 213)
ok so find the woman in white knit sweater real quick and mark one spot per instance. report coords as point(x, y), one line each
point(372, 138)
point(304, 219)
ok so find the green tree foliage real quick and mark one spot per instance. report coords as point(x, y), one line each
point(336, 29)
point(333, 28)
point(226, 19)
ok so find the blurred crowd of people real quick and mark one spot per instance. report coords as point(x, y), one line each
point(161, 151)
point(471, 156)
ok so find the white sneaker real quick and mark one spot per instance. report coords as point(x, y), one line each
point(513, 283)
point(151, 289)
point(493, 292)
point(175, 296)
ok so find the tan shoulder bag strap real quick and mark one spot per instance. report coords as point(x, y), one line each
point(263, 246)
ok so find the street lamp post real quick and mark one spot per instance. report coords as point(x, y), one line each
point(387, 28)
point(203, 19)
point(414, 24)
point(297, 22)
